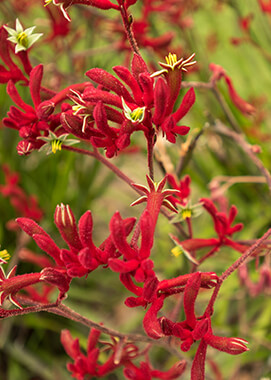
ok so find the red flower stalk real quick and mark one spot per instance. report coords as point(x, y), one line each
point(242, 105)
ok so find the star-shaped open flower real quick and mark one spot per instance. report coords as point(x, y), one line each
point(23, 39)
point(136, 115)
point(157, 188)
point(53, 143)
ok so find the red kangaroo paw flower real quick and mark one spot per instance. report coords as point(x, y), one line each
point(123, 266)
point(119, 237)
point(187, 103)
point(146, 229)
point(173, 373)
point(58, 278)
point(241, 104)
point(130, 80)
point(30, 227)
point(150, 322)
point(85, 226)
point(35, 84)
point(108, 81)
point(146, 83)
point(161, 94)
point(150, 289)
point(70, 345)
point(48, 245)
point(138, 66)
point(198, 366)
point(190, 294)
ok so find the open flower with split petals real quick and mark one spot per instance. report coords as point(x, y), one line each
point(172, 71)
point(173, 63)
point(23, 39)
point(223, 227)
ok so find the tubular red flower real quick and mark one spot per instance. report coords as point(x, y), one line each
point(150, 322)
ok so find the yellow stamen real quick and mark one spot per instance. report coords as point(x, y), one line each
point(47, 2)
point(56, 145)
point(186, 213)
point(171, 59)
point(137, 113)
point(76, 108)
point(4, 255)
point(22, 38)
point(176, 251)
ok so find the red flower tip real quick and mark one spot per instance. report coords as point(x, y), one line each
point(58, 278)
point(233, 346)
point(24, 148)
point(70, 345)
point(150, 322)
point(45, 109)
point(65, 222)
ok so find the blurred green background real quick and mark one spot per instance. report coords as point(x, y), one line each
point(30, 346)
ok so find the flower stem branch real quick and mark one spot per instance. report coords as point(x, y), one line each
point(212, 86)
point(250, 251)
point(66, 312)
point(150, 157)
point(127, 22)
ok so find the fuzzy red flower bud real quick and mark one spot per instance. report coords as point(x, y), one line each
point(65, 222)
point(138, 66)
point(45, 109)
point(233, 346)
point(58, 278)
